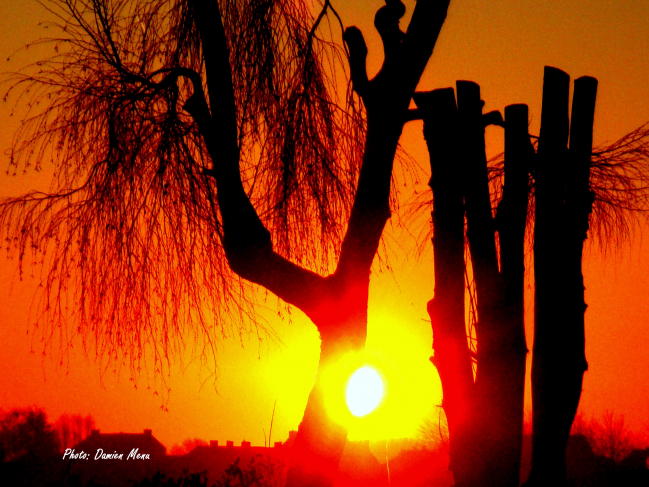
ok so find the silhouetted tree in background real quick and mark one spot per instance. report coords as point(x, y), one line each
point(187, 445)
point(194, 140)
point(28, 447)
point(25, 435)
point(609, 435)
point(71, 429)
point(433, 434)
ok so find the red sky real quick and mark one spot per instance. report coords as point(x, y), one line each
point(502, 45)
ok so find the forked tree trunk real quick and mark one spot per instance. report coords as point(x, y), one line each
point(446, 309)
point(563, 205)
point(500, 329)
point(337, 304)
point(486, 418)
point(340, 315)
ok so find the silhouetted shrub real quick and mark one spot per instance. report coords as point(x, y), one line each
point(187, 445)
point(608, 436)
point(260, 472)
point(26, 435)
point(71, 429)
point(185, 480)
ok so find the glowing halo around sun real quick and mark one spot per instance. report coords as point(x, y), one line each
point(411, 389)
point(364, 391)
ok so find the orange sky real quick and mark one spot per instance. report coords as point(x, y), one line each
point(502, 45)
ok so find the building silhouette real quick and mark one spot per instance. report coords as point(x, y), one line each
point(359, 467)
point(122, 459)
point(123, 443)
point(116, 458)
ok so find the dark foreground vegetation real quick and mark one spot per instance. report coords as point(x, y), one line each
point(600, 453)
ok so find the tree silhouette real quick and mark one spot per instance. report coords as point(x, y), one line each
point(71, 429)
point(609, 436)
point(25, 435)
point(107, 111)
point(483, 380)
point(195, 139)
point(485, 413)
point(29, 447)
point(187, 445)
point(563, 204)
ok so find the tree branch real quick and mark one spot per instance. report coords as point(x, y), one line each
point(420, 39)
point(353, 37)
point(247, 242)
point(207, 17)
point(386, 22)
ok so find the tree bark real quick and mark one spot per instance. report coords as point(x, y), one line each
point(563, 205)
point(486, 417)
point(446, 309)
point(579, 203)
point(508, 386)
point(498, 407)
point(549, 437)
point(341, 318)
point(484, 262)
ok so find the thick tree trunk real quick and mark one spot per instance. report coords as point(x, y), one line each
point(486, 418)
point(509, 381)
point(549, 436)
point(563, 204)
point(446, 309)
point(484, 262)
point(579, 201)
point(320, 440)
point(340, 315)
point(500, 328)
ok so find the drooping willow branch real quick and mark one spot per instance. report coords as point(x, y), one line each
point(130, 248)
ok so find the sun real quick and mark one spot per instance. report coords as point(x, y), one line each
point(364, 391)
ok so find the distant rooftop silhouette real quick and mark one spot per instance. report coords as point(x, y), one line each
point(122, 443)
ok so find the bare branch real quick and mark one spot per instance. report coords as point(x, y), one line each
point(620, 181)
point(386, 22)
point(130, 187)
point(355, 42)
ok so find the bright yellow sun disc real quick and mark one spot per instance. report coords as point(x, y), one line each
point(364, 391)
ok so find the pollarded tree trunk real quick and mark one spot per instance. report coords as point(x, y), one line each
point(337, 304)
point(446, 309)
point(549, 439)
point(484, 262)
point(486, 418)
point(509, 382)
point(320, 440)
point(500, 331)
point(563, 205)
point(578, 206)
